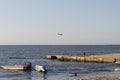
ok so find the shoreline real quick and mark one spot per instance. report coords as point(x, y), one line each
point(110, 77)
point(101, 78)
point(105, 76)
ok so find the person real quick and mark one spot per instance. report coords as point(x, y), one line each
point(84, 54)
point(114, 60)
point(75, 74)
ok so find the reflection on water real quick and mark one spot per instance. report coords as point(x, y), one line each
point(21, 75)
point(43, 76)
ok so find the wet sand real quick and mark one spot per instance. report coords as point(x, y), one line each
point(95, 78)
point(104, 78)
point(101, 78)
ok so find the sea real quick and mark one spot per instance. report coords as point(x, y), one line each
point(57, 70)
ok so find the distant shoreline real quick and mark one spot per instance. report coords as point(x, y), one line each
point(59, 45)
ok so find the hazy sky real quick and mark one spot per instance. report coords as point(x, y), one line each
point(37, 22)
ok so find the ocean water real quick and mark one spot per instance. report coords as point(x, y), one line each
point(57, 70)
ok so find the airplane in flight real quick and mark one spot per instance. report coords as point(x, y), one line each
point(60, 34)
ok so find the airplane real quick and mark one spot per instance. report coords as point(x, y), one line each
point(60, 34)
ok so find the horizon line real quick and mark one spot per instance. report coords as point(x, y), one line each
point(54, 44)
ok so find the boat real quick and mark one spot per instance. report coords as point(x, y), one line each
point(15, 57)
point(40, 68)
point(27, 66)
point(15, 67)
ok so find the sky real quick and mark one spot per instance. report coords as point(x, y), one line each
point(38, 22)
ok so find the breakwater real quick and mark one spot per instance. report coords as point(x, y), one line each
point(92, 59)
